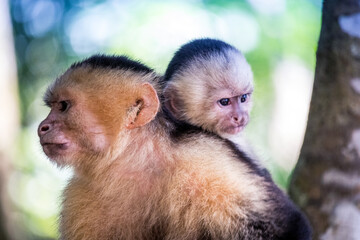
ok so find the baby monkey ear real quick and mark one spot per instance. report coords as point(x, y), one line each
point(171, 101)
point(145, 108)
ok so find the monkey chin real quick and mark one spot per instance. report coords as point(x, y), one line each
point(57, 152)
point(233, 130)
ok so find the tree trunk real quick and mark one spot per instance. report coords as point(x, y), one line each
point(326, 180)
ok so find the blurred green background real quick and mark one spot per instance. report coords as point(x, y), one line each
point(278, 37)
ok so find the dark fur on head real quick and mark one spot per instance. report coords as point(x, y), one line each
point(117, 62)
point(204, 48)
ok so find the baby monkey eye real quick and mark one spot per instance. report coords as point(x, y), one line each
point(63, 106)
point(224, 101)
point(244, 97)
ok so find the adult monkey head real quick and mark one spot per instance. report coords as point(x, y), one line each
point(91, 104)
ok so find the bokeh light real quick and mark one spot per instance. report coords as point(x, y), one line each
point(293, 83)
point(270, 7)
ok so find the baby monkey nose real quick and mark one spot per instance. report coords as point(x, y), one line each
point(239, 119)
point(236, 119)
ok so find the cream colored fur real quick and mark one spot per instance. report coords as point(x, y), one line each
point(195, 88)
point(143, 184)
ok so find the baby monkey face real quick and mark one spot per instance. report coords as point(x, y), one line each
point(233, 113)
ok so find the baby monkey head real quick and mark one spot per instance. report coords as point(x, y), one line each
point(209, 84)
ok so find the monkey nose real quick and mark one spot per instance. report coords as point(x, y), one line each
point(239, 120)
point(43, 129)
point(236, 119)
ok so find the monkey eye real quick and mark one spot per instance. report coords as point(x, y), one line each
point(244, 97)
point(63, 106)
point(224, 101)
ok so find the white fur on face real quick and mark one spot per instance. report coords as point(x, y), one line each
point(197, 89)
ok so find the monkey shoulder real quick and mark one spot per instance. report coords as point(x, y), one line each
point(217, 192)
point(214, 164)
point(224, 191)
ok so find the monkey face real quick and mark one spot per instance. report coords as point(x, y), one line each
point(212, 90)
point(90, 107)
point(70, 131)
point(232, 113)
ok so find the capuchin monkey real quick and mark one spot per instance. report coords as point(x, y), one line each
point(137, 177)
point(208, 84)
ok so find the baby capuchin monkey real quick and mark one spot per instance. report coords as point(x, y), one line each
point(209, 84)
point(135, 179)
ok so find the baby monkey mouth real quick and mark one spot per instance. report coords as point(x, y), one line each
point(238, 128)
point(234, 129)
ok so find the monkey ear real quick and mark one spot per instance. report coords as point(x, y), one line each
point(170, 100)
point(145, 108)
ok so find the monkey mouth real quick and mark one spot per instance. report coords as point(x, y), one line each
point(50, 147)
point(238, 128)
point(235, 129)
point(61, 145)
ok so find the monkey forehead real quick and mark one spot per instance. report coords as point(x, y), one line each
point(54, 94)
point(194, 50)
point(226, 70)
